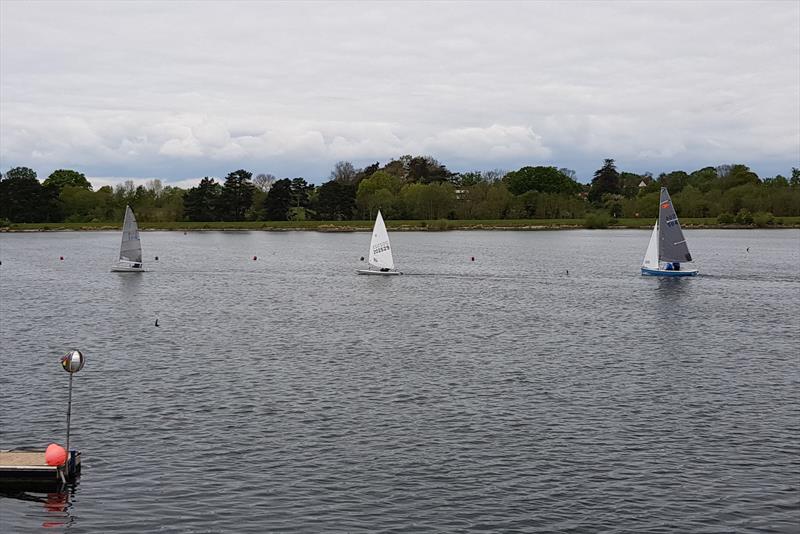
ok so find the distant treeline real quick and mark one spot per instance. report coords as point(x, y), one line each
point(410, 187)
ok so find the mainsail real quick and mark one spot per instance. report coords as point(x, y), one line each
point(131, 248)
point(380, 253)
point(672, 245)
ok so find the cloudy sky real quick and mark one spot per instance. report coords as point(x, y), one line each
point(180, 90)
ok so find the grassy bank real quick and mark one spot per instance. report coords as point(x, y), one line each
point(353, 226)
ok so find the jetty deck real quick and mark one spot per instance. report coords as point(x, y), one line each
point(19, 466)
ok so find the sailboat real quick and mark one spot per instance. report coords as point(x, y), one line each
point(130, 251)
point(380, 252)
point(667, 248)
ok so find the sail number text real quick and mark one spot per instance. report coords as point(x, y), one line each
point(380, 247)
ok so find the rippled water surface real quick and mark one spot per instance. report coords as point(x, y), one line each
point(502, 394)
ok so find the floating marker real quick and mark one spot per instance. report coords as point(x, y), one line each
point(362, 258)
point(61, 258)
point(255, 258)
point(472, 258)
point(156, 258)
point(55, 455)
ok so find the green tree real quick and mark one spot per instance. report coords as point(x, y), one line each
point(66, 177)
point(278, 201)
point(542, 180)
point(202, 203)
point(379, 191)
point(428, 201)
point(336, 201)
point(674, 181)
point(426, 170)
point(237, 195)
point(605, 181)
point(24, 199)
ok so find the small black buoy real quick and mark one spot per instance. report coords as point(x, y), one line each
point(567, 271)
point(255, 258)
point(748, 249)
point(156, 321)
point(362, 258)
point(61, 258)
point(472, 258)
point(156, 258)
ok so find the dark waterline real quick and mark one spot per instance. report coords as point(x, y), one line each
point(501, 394)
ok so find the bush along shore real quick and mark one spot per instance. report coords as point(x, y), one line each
point(438, 225)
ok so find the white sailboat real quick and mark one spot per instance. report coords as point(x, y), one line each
point(130, 251)
point(380, 252)
point(667, 248)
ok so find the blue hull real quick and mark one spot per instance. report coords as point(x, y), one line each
point(658, 272)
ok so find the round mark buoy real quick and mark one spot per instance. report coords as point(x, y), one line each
point(255, 258)
point(55, 455)
point(362, 258)
point(73, 361)
point(61, 258)
point(472, 259)
point(156, 258)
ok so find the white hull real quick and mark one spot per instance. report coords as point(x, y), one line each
point(127, 269)
point(381, 273)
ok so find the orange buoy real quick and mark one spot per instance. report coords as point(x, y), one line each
point(55, 455)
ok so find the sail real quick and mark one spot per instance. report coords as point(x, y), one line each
point(131, 248)
point(672, 245)
point(380, 253)
point(650, 260)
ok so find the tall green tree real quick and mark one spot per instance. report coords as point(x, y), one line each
point(541, 180)
point(605, 181)
point(426, 170)
point(24, 199)
point(237, 195)
point(379, 191)
point(202, 203)
point(66, 177)
point(279, 201)
point(336, 201)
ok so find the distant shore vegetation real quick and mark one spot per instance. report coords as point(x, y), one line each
point(412, 192)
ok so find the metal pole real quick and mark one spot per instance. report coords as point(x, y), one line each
point(69, 413)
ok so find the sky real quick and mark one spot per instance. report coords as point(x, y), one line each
point(180, 90)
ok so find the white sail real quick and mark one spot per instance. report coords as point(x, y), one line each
point(650, 260)
point(380, 252)
point(131, 248)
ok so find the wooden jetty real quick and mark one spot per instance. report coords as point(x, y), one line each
point(20, 467)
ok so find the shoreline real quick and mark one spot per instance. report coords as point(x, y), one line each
point(524, 225)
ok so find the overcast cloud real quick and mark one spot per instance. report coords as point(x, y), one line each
point(181, 90)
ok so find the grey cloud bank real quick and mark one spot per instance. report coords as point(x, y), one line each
point(182, 90)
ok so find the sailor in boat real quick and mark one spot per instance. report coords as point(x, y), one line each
point(668, 267)
point(676, 266)
point(384, 269)
point(137, 265)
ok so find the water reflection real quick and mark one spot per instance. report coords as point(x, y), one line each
point(55, 505)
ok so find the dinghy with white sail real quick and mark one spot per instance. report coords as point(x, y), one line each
point(667, 248)
point(380, 251)
point(130, 251)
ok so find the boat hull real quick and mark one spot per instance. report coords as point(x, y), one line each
point(379, 273)
point(661, 272)
point(124, 269)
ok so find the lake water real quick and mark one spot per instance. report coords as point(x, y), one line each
point(501, 394)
